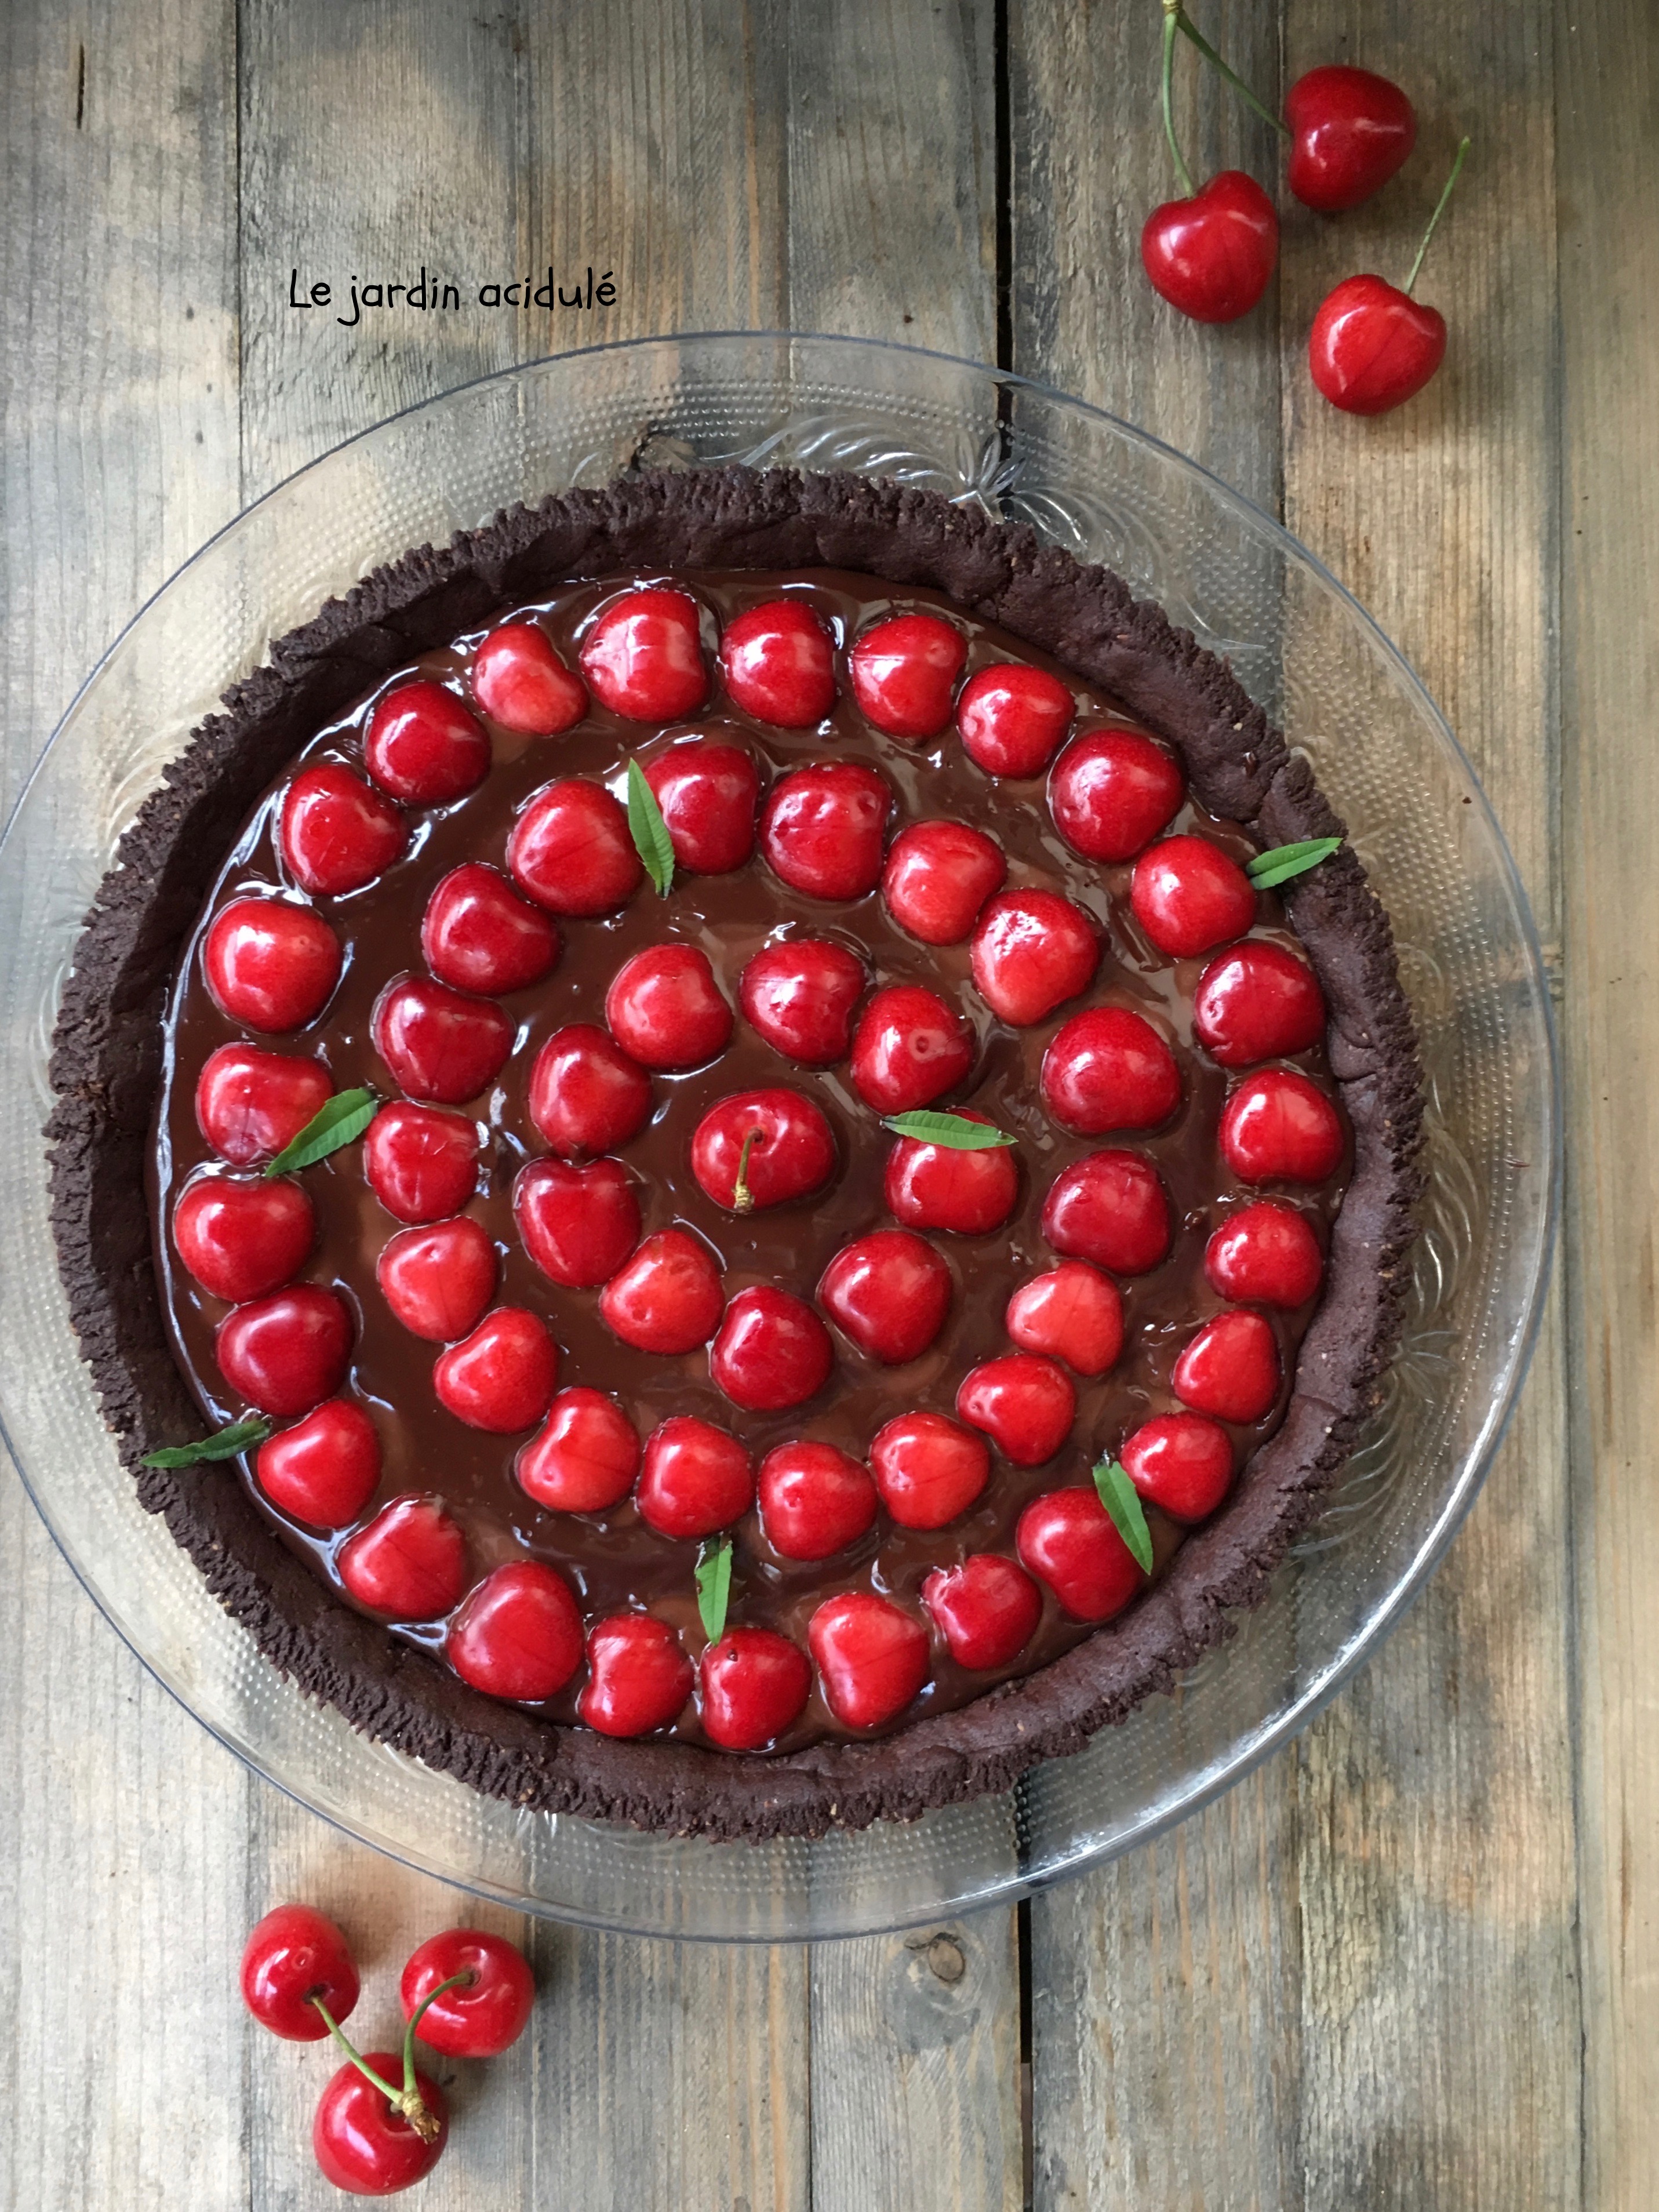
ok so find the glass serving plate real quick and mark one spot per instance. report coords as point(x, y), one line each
point(1382, 752)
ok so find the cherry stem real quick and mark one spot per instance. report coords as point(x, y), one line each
point(408, 2101)
point(1171, 19)
point(1184, 23)
point(1439, 210)
point(742, 1199)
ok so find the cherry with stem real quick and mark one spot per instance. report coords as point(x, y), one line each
point(1211, 253)
point(407, 2102)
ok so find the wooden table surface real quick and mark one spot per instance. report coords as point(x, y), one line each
point(1413, 1961)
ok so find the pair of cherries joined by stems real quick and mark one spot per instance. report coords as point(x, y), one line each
point(1211, 253)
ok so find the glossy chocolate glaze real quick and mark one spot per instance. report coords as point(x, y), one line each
point(613, 1560)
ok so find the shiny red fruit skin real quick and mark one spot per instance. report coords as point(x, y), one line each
point(889, 1293)
point(708, 793)
point(362, 2145)
point(932, 1187)
point(1257, 1001)
point(585, 1456)
point(1031, 952)
point(578, 1223)
point(904, 671)
point(437, 1280)
point(250, 1103)
point(287, 1351)
point(421, 1163)
point(1265, 1255)
point(1372, 347)
point(295, 1953)
point(1073, 1313)
point(1188, 896)
point(1279, 1127)
point(1230, 1369)
point(1350, 132)
point(1112, 1208)
point(639, 1676)
point(778, 660)
point(479, 2020)
point(771, 1351)
point(441, 1046)
point(325, 1469)
point(1112, 790)
point(242, 1239)
point(1025, 1404)
point(872, 1658)
point(409, 1564)
point(665, 1009)
point(572, 852)
point(755, 1685)
point(1108, 1068)
point(696, 1479)
point(501, 1378)
point(820, 831)
point(793, 1155)
point(987, 1609)
point(1182, 1463)
point(643, 657)
point(814, 1500)
point(909, 1050)
point(337, 833)
point(270, 965)
point(518, 1636)
point(426, 746)
point(937, 876)
point(1012, 719)
point(520, 681)
point(800, 996)
point(668, 1298)
point(478, 934)
point(928, 1468)
point(586, 1095)
point(1066, 1539)
point(1211, 256)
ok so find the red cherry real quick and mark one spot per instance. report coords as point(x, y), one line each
point(287, 1351)
point(578, 1224)
point(250, 1103)
point(479, 935)
point(439, 1280)
point(1111, 792)
point(362, 2144)
point(337, 834)
point(1279, 1127)
point(325, 1469)
point(708, 793)
point(1110, 1207)
point(695, 1479)
point(242, 1239)
point(520, 681)
point(1211, 256)
point(890, 1292)
point(572, 852)
point(801, 995)
point(987, 1609)
point(792, 1154)
point(1025, 1404)
point(586, 1094)
point(420, 1163)
point(269, 965)
point(903, 672)
point(1066, 1539)
point(1012, 718)
point(1031, 952)
point(1265, 1255)
point(909, 1048)
point(821, 828)
point(294, 1954)
point(585, 1456)
point(643, 657)
point(1230, 1369)
point(937, 876)
point(1350, 132)
point(439, 1044)
point(814, 1500)
point(937, 1187)
point(779, 663)
point(1073, 1313)
point(872, 1658)
point(665, 1010)
point(483, 2016)
point(1257, 1001)
point(518, 1636)
point(1181, 1463)
point(409, 1564)
point(501, 1378)
point(1188, 895)
point(1372, 347)
point(425, 745)
point(668, 1298)
point(928, 1469)
point(639, 1676)
point(1109, 1069)
point(772, 1351)
point(755, 1685)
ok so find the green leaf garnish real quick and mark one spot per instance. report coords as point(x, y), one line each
point(650, 832)
point(1122, 1501)
point(225, 1443)
point(1283, 862)
point(954, 1130)
point(337, 1122)
point(714, 1586)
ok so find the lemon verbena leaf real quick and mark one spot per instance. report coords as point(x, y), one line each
point(224, 1443)
point(339, 1120)
point(650, 832)
point(714, 1586)
point(1282, 861)
point(954, 1130)
point(1122, 1501)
